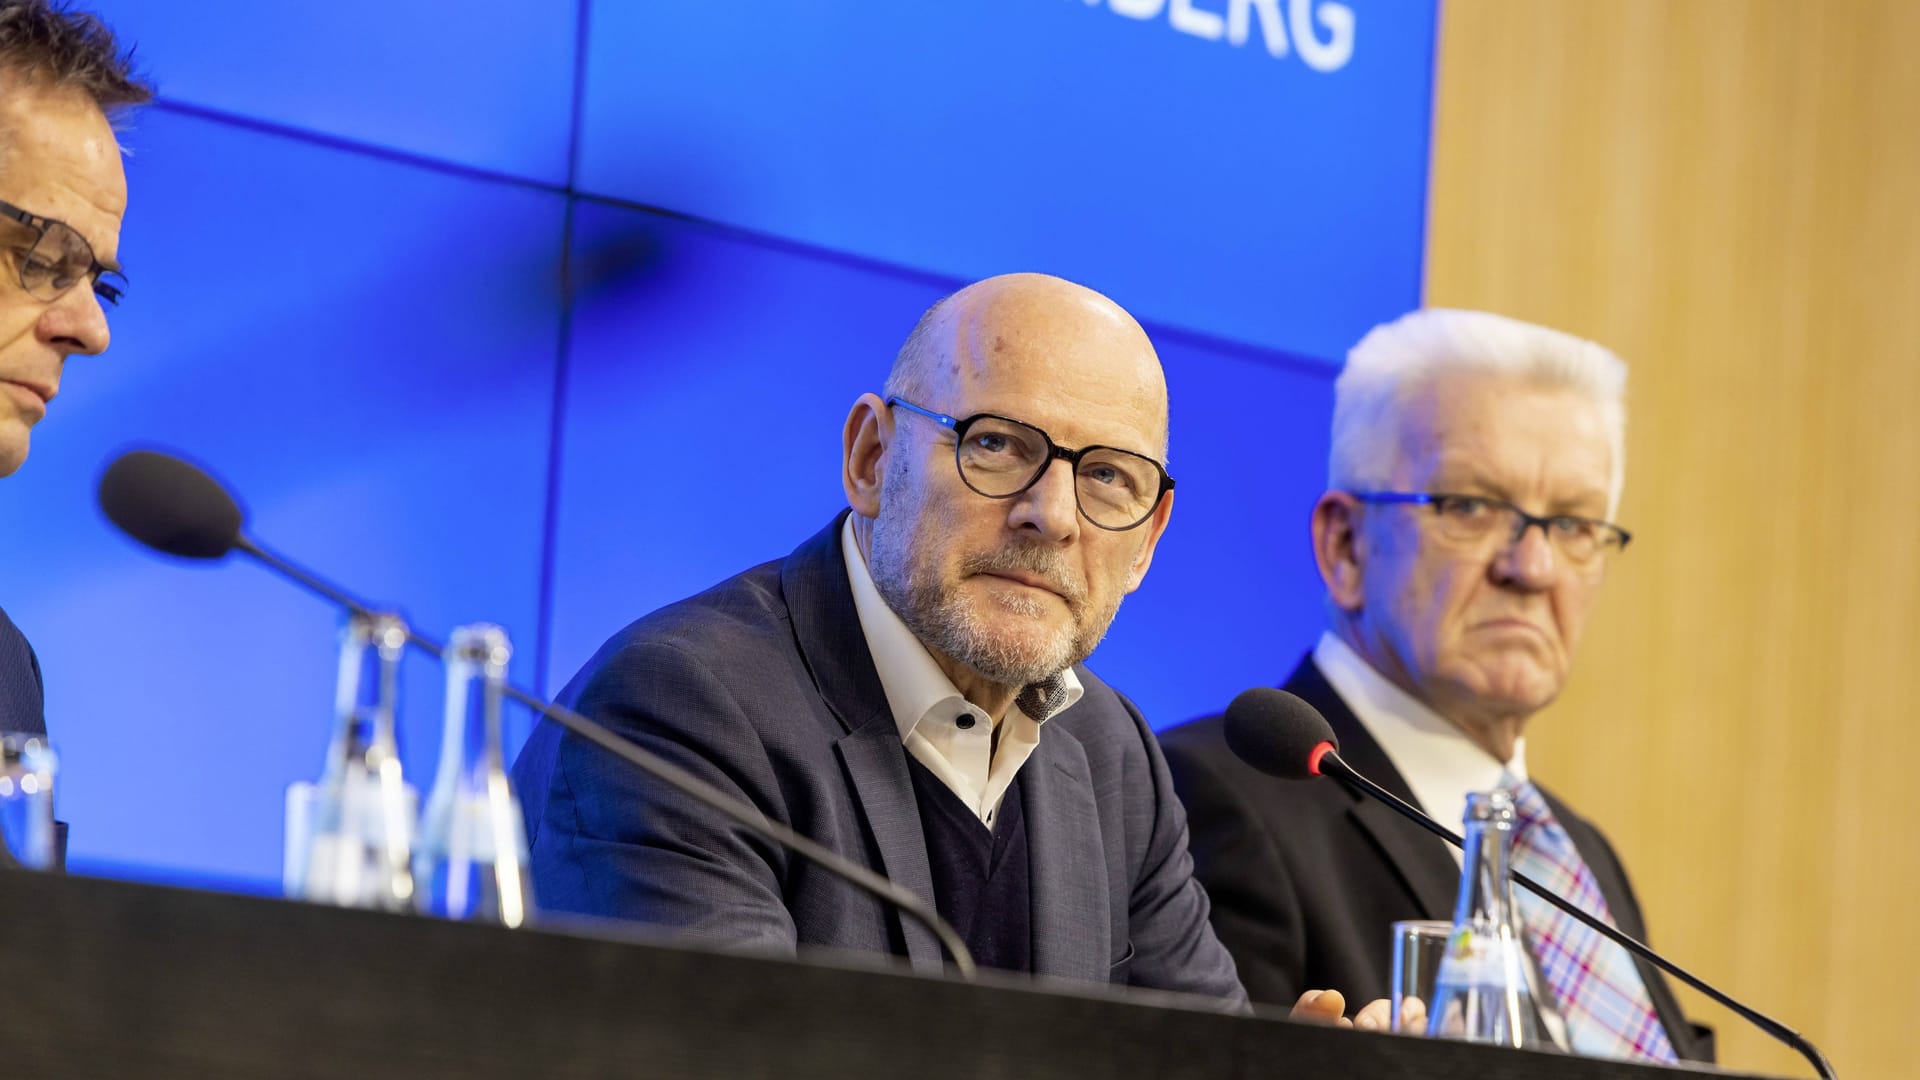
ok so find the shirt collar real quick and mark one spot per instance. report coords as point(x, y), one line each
point(1437, 760)
point(914, 684)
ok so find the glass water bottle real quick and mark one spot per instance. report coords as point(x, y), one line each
point(350, 836)
point(28, 836)
point(471, 860)
point(1482, 992)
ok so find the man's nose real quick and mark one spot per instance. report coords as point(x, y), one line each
point(1528, 560)
point(1050, 506)
point(75, 323)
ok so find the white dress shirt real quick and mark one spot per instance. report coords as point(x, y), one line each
point(945, 732)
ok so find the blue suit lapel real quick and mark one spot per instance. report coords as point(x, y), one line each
point(1072, 913)
point(826, 630)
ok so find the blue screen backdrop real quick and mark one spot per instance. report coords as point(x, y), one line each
point(347, 237)
point(1227, 190)
point(485, 83)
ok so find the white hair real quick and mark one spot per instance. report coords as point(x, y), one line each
point(1397, 359)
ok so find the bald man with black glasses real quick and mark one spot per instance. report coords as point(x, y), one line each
point(907, 687)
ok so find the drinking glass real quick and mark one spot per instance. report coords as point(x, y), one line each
point(1418, 946)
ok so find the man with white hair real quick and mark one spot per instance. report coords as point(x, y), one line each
point(1476, 467)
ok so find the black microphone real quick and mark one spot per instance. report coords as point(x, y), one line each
point(1281, 735)
point(170, 506)
point(177, 508)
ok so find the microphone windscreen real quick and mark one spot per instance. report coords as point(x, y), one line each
point(170, 505)
point(1277, 733)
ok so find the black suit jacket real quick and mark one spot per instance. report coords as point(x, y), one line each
point(1306, 878)
point(763, 687)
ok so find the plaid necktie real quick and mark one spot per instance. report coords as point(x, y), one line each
point(1595, 984)
point(1042, 699)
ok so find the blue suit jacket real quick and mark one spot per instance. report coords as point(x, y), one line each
point(764, 687)
point(22, 700)
point(23, 710)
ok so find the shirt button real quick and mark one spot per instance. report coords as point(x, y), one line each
point(964, 721)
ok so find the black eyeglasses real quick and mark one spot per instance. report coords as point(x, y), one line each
point(57, 259)
point(1000, 457)
point(1474, 518)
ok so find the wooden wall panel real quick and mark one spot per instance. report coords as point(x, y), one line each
point(1727, 192)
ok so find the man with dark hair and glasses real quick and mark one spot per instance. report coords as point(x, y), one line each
point(1476, 466)
point(62, 195)
point(906, 687)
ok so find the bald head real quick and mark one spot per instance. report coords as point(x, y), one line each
point(1054, 336)
point(1007, 562)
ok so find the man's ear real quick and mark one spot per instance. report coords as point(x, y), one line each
point(863, 451)
point(1337, 548)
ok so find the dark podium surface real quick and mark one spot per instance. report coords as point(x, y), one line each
point(110, 979)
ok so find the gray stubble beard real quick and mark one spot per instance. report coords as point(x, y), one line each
point(954, 626)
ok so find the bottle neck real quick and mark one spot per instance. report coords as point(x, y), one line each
point(470, 754)
point(477, 700)
point(366, 694)
point(1486, 883)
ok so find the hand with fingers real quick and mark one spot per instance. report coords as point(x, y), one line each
point(1330, 1007)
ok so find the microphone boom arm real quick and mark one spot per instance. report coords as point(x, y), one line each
point(744, 815)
